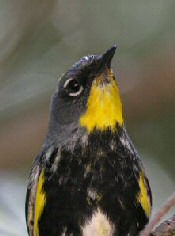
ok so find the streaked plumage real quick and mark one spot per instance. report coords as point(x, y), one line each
point(88, 175)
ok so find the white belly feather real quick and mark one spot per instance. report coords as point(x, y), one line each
point(99, 225)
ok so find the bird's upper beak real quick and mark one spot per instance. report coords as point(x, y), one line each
point(105, 59)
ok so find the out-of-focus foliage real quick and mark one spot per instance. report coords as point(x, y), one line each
point(40, 39)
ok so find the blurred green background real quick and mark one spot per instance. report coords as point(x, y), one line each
point(40, 39)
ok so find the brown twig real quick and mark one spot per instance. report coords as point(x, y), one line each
point(158, 216)
point(167, 228)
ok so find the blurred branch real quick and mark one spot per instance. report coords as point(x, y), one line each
point(167, 228)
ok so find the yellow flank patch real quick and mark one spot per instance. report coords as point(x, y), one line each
point(143, 197)
point(39, 203)
point(104, 107)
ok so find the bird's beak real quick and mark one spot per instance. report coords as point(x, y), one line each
point(105, 59)
point(104, 73)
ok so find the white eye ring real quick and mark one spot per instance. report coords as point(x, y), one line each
point(67, 82)
point(72, 94)
point(77, 93)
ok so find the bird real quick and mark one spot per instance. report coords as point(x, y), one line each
point(88, 178)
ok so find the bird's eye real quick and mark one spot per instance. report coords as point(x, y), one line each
point(73, 87)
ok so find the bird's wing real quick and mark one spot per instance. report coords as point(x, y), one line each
point(36, 196)
point(31, 195)
point(144, 196)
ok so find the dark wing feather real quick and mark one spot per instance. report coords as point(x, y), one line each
point(31, 193)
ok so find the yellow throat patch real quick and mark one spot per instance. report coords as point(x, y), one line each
point(104, 107)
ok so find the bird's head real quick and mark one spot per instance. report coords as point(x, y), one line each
point(88, 96)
